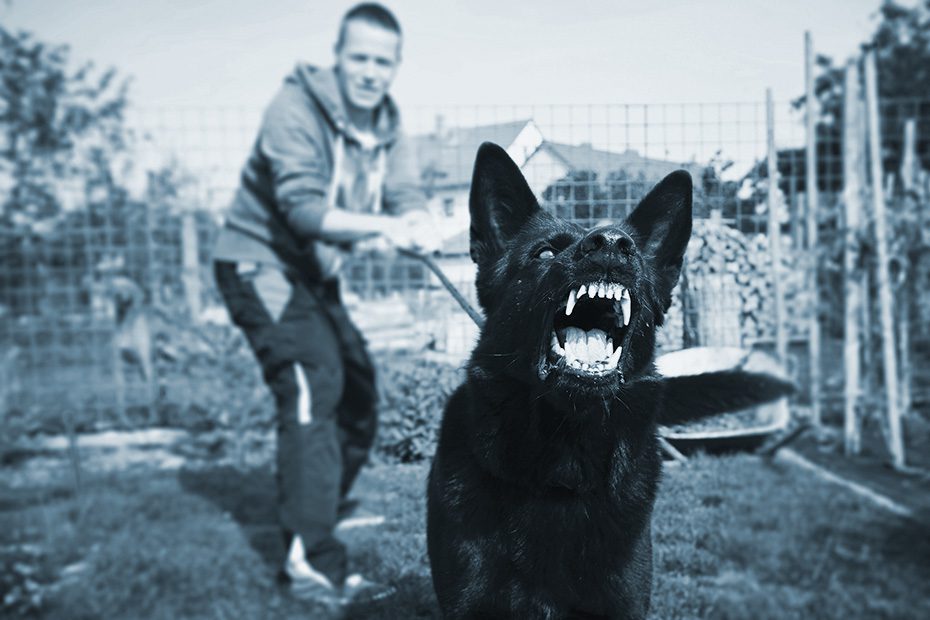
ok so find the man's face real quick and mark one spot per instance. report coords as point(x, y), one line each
point(367, 61)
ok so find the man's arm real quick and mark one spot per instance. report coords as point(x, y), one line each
point(340, 226)
point(291, 141)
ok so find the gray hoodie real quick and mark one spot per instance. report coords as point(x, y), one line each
point(307, 159)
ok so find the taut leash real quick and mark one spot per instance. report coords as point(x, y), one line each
point(431, 264)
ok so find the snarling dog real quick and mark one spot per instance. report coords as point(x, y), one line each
point(541, 491)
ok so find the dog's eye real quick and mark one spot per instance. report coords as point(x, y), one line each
point(546, 253)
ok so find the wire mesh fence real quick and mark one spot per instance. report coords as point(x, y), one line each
point(105, 302)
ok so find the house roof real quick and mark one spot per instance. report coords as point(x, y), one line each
point(585, 157)
point(450, 154)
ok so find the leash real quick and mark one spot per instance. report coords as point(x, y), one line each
point(432, 266)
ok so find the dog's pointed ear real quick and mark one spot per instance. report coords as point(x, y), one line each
point(500, 202)
point(661, 224)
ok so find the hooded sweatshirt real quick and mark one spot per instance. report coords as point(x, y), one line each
point(307, 159)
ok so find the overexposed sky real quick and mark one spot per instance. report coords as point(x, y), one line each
point(235, 52)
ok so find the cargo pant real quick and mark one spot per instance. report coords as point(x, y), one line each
point(315, 362)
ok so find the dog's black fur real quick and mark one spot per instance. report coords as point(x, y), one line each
point(541, 491)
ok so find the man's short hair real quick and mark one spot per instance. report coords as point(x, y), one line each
point(372, 13)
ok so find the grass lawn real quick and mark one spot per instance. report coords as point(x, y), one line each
point(734, 537)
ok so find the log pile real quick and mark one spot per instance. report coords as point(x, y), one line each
point(728, 283)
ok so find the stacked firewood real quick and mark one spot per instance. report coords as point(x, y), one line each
point(727, 283)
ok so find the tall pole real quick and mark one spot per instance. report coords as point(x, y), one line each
point(852, 282)
point(908, 164)
point(811, 193)
point(774, 228)
point(889, 354)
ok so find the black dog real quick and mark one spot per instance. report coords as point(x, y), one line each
point(541, 491)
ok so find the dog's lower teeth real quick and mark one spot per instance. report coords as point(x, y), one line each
point(590, 351)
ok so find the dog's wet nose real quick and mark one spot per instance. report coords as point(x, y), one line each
point(607, 241)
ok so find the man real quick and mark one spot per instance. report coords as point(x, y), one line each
point(328, 171)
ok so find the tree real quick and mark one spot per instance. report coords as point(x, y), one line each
point(65, 208)
point(901, 42)
point(58, 130)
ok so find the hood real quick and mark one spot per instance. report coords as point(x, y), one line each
point(322, 86)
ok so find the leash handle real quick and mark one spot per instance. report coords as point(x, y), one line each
point(431, 264)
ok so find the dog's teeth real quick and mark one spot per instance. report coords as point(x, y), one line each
point(610, 291)
point(600, 290)
point(581, 291)
point(597, 346)
point(570, 305)
point(626, 304)
point(615, 358)
point(575, 343)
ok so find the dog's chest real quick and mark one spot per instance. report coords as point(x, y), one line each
point(564, 528)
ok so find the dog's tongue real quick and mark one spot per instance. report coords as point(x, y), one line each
point(588, 347)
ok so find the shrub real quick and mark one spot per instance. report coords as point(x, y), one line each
point(413, 394)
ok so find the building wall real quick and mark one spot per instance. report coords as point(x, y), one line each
point(450, 207)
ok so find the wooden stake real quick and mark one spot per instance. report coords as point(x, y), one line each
point(190, 265)
point(672, 451)
point(774, 228)
point(813, 327)
point(852, 201)
point(889, 353)
point(906, 288)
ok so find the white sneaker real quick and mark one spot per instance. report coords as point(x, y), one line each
point(307, 583)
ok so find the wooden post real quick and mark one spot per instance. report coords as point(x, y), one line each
point(906, 287)
point(889, 352)
point(774, 228)
point(867, 358)
point(190, 257)
point(813, 327)
point(852, 201)
point(798, 222)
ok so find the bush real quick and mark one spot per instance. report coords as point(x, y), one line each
point(209, 379)
point(413, 394)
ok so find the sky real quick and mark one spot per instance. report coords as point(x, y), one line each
point(202, 70)
point(235, 52)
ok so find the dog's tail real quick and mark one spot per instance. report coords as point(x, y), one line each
point(705, 381)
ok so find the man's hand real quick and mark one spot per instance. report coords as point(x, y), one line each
point(379, 245)
point(397, 233)
point(422, 233)
point(413, 231)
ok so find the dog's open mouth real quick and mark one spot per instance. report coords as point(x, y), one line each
point(589, 331)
